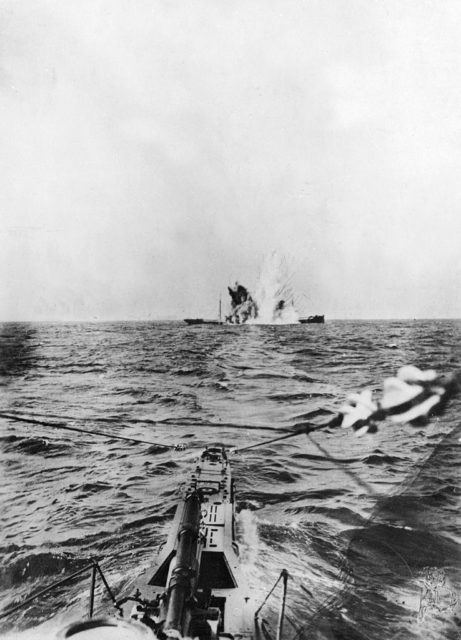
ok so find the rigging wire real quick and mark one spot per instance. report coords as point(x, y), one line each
point(63, 425)
point(177, 447)
point(166, 421)
point(300, 428)
point(262, 444)
point(297, 429)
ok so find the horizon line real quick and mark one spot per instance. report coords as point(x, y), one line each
point(170, 319)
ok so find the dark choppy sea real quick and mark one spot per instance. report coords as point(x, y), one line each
point(368, 529)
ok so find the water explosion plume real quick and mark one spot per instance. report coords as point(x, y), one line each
point(272, 302)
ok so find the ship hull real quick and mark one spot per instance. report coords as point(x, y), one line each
point(194, 321)
point(312, 320)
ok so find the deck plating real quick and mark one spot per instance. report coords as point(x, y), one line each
point(196, 588)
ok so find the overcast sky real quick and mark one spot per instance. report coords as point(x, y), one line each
point(152, 152)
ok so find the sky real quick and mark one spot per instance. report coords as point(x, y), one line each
point(153, 152)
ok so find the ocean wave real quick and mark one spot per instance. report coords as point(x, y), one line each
point(33, 446)
point(16, 570)
point(379, 457)
point(378, 506)
point(300, 396)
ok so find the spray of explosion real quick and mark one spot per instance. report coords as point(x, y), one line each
point(272, 301)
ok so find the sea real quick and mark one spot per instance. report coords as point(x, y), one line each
point(368, 528)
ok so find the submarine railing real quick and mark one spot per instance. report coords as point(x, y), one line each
point(95, 569)
point(284, 577)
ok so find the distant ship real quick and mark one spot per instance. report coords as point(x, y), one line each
point(244, 310)
point(192, 321)
point(201, 321)
point(312, 320)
